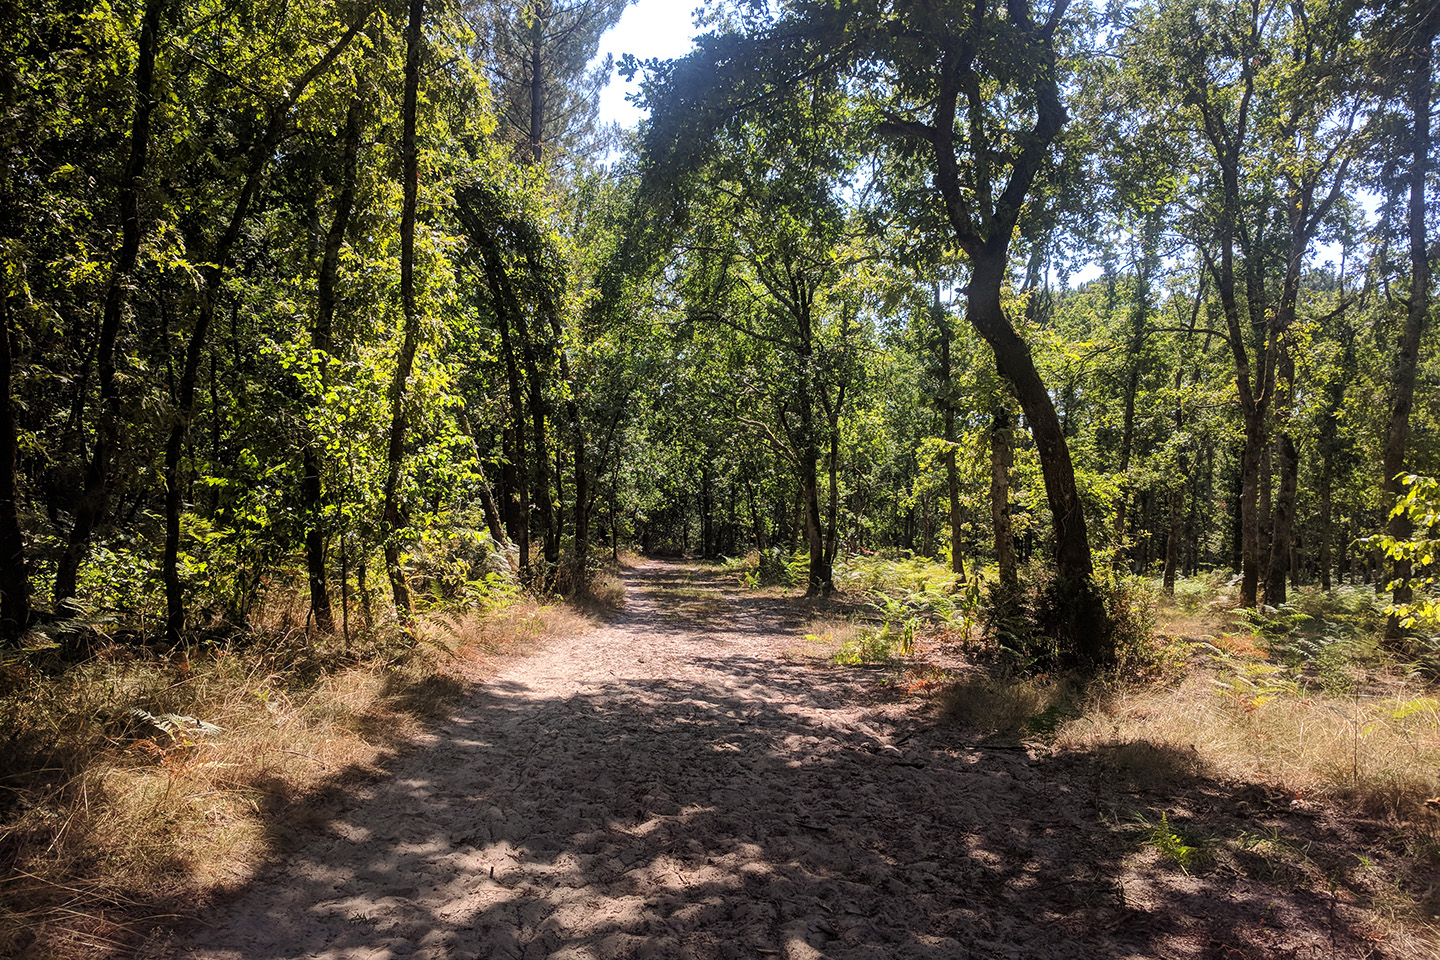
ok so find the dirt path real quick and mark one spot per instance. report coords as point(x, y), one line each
point(678, 785)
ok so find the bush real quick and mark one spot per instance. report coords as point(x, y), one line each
point(778, 570)
point(1035, 623)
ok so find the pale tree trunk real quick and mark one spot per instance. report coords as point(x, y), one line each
point(947, 400)
point(1278, 570)
point(1012, 356)
point(1001, 457)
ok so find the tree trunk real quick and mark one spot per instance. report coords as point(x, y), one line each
point(1012, 357)
point(493, 521)
point(614, 517)
point(539, 412)
point(1174, 537)
point(576, 430)
point(756, 522)
point(1249, 512)
point(14, 572)
point(537, 83)
point(1402, 383)
point(1001, 457)
point(516, 467)
point(947, 400)
point(395, 449)
point(1127, 442)
point(832, 506)
point(96, 493)
point(1284, 520)
point(1327, 523)
point(1082, 625)
point(322, 341)
point(819, 581)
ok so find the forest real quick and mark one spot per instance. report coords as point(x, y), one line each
point(359, 306)
point(360, 296)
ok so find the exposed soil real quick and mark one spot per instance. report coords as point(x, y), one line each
point(687, 783)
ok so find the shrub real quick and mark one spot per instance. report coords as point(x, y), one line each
point(778, 570)
point(1029, 622)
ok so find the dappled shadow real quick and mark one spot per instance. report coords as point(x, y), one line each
point(749, 807)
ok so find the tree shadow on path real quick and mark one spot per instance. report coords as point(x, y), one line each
point(749, 806)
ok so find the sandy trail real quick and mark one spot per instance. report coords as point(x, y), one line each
point(677, 785)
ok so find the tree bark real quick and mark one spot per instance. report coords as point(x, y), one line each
point(322, 342)
point(809, 449)
point(395, 449)
point(539, 14)
point(983, 215)
point(95, 495)
point(1127, 441)
point(1139, 314)
point(1402, 383)
point(540, 447)
point(516, 467)
point(1012, 357)
point(493, 521)
point(1278, 569)
point(832, 505)
point(14, 571)
point(947, 400)
point(1176, 532)
point(579, 453)
point(1001, 458)
point(1329, 447)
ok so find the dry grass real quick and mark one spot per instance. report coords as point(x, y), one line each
point(1377, 750)
point(1008, 708)
point(136, 780)
point(1358, 746)
point(1237, 718)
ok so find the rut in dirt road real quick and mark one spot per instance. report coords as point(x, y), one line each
point(680, 784)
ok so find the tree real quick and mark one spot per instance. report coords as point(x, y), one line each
point(538, 54)
point(1413, 31)
point(410, 176)
point(1270, 157)
point(974, 96)
point(98, 481)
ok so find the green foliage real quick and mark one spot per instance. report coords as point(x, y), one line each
point(1420, 505)
point(775, 569)
point(1174, 845)
point(1020, 621)
point(881, 646)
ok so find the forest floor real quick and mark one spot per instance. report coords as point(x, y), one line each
point(695, 780)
